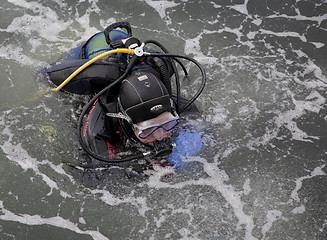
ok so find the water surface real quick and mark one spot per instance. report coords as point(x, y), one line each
point(262, 172)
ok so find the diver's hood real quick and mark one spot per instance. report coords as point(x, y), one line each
point(143, 96)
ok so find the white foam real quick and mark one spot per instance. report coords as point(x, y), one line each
point(318, 44)
point(242, 8)
point(314, 102)
point(16, 53)
point(161, 6)
point(284, 34)
point(112, 200)
point(257, 22)
point(58, 169)
point(215, 5)
point(19, 155)
point(300, 17)
point(298, 182)
point(310, 67)
point(247, 110)
point(44, 30)
point(16, 153)
point(216, 179)
point(218, 114)
point(251, 35)
point(46, 21)
point(299, 210)
point(272, 216)
point(239, 33)
point(192, 46)
point(246, 187)
point(57, 221)
point(82, 220)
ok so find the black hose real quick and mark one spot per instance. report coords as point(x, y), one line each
point(157, 44)
point(204, 78)
point(178, 86)
point(160, 64)
point(182, 66)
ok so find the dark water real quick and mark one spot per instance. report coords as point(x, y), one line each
point(262, 173)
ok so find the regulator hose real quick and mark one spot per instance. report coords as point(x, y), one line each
point(204, 78)
point(160, 64)
point(178, 86)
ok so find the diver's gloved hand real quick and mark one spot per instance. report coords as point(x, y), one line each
point(187, 144)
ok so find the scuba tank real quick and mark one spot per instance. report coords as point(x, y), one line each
point(105, 41)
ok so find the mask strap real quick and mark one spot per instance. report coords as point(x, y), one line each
point(122, 115)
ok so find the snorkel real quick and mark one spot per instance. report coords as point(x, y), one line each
point(136, 50)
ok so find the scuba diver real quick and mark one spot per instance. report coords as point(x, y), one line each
point(135, 110)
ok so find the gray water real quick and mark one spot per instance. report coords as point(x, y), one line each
point(262, 172)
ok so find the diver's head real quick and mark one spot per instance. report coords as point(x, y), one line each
point(145, 100)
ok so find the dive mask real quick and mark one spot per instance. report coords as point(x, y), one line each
point(166, 122)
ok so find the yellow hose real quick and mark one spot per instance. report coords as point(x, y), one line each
point(85, 65)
